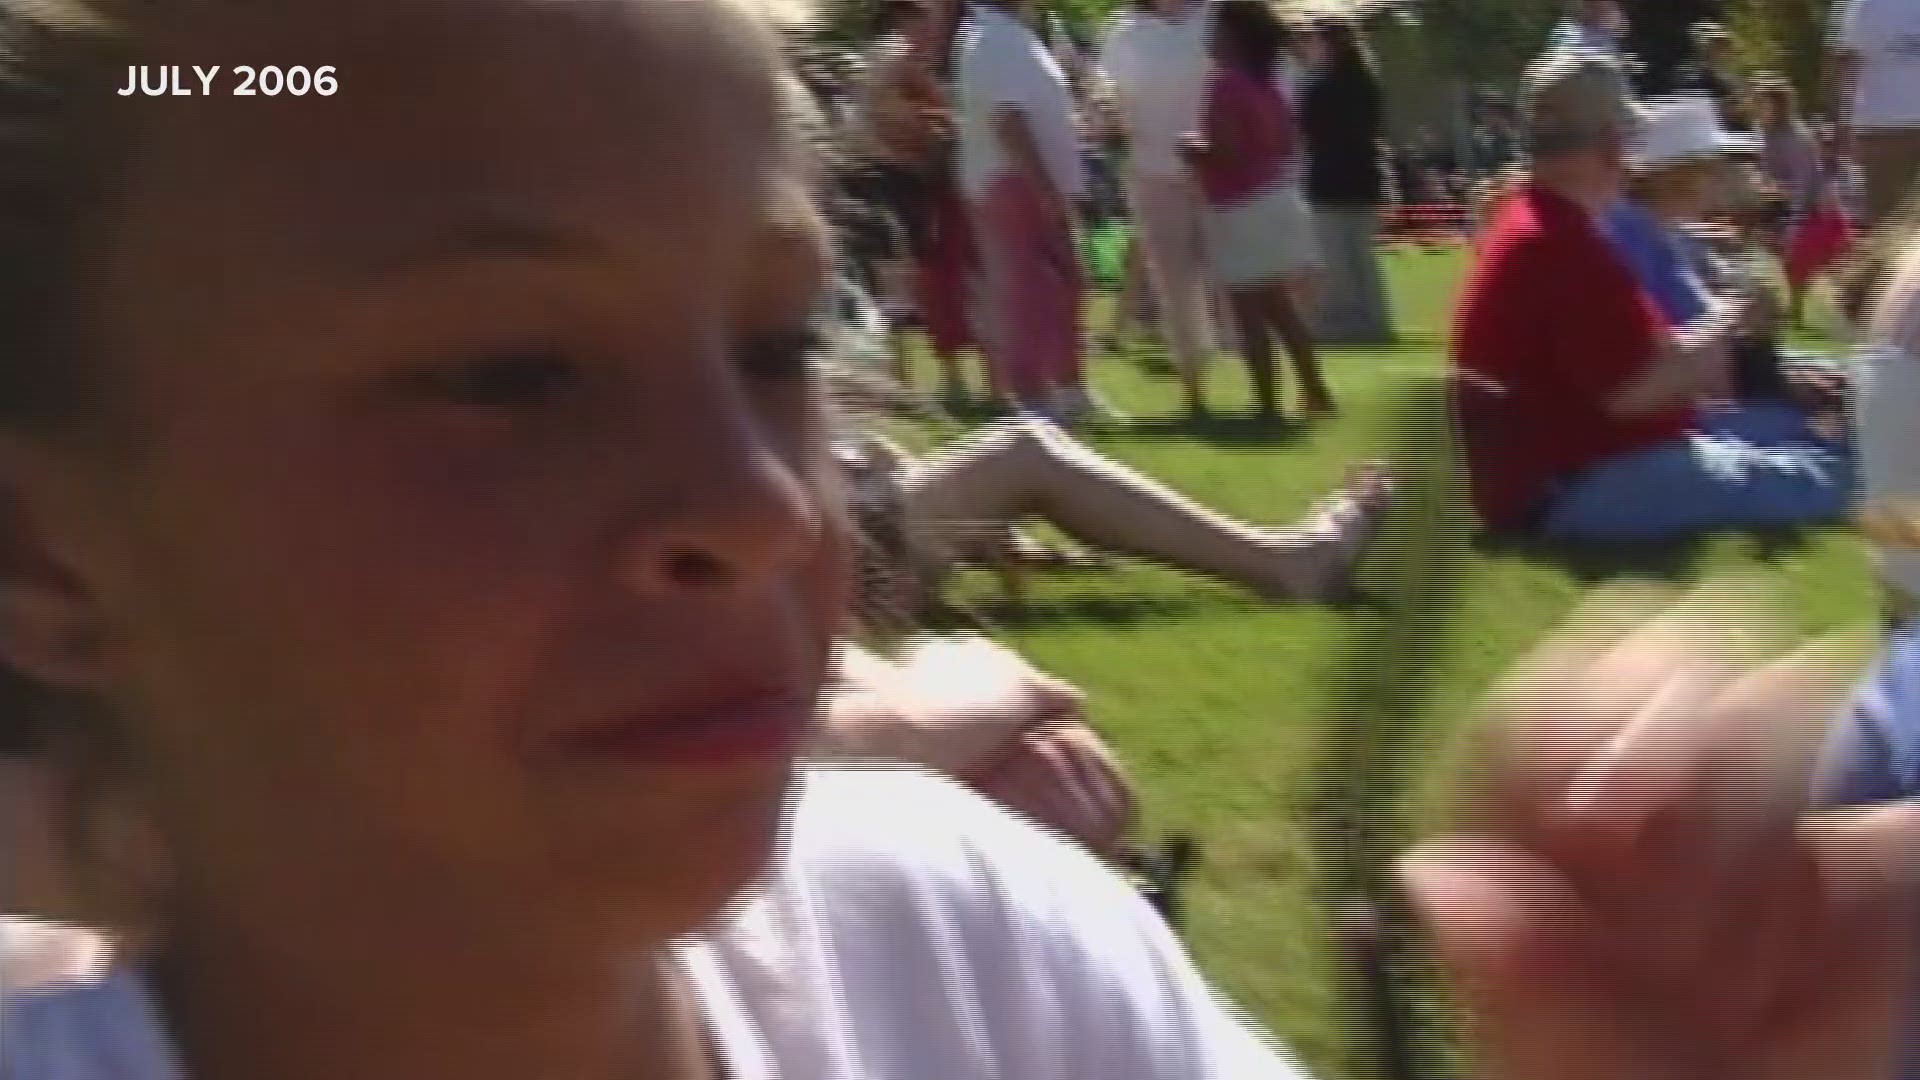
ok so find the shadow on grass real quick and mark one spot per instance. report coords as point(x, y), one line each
point(1675, 562)
point(1067, 611)
point(1216, 430)
point(978, 411)
point(1408, 343)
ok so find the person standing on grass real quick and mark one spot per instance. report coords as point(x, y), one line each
point(1343, 116)
point(1021, 171)
point(1715, 72)
point(1156, 60)
point(1595, 26)
point(909, 130)
point(1877, 98)
point(1259, 230)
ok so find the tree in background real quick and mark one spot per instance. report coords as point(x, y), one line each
point(1663, 37)
point(1487, 42)
point(1787, 36)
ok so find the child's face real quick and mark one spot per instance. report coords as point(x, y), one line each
point(1691, 190)
point(483, 554)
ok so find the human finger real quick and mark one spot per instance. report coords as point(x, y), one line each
point(1032, 783)
point(1109, 798)
point(1629, 655)
point(1528, 964)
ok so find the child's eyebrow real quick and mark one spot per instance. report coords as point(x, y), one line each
point(489, 236)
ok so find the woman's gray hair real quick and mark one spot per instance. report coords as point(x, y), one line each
point(1573, 100)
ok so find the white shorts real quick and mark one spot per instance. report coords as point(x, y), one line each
point(1268, 237)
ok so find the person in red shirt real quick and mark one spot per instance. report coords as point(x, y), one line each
point(1579, 405)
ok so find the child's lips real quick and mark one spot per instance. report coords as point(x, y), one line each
point(741, 730)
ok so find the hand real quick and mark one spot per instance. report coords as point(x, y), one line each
point(1708, 363)
point(952, 704)
point(1754, 313)
point(1641, 893)
point(1767, 314)
point(1065, 777)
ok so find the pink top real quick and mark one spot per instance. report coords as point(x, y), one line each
point(1250, 133)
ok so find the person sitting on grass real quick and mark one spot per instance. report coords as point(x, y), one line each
point(1579, 404)
point(920, 513)
point(1259, 229)
point(1681, 171)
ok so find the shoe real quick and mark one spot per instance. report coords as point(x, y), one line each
point(1316, 408)
point(1349, 520)
point(1075, 404)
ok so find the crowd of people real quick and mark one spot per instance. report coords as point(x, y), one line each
point(1251, 206)
point(455, 623)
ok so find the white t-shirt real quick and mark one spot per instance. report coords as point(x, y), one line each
point(1003, 65)
point(1885, 36)
point(1573, 35)
point(912, 932)
point(1158, 68)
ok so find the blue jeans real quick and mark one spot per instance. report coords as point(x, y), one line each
point(1746, 465)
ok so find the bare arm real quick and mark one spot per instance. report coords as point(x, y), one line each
point(952, 704)
point(983, 715)
point(1690, 363)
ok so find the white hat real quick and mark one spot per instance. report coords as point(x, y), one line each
point(1679, 129)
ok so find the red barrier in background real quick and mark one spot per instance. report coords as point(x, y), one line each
point(1427, 223)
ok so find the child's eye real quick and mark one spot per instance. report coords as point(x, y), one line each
point(514, 381)
point(781, 357)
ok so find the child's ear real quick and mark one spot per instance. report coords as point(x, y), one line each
point(51, 627)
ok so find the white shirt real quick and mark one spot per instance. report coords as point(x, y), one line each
point(912, 932)
point(1158, 68)
point(1003, 65)
point(1573, 35)
point(1885, 36)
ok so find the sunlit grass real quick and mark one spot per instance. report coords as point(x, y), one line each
point(1222, 705)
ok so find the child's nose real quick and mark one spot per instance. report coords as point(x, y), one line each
point(734, 511)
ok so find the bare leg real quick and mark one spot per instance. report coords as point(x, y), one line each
point(1288, 324)
point(1256, 346)
point(1126, 322)
point(1021, 468)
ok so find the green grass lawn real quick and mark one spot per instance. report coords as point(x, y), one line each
point(1233, 714)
